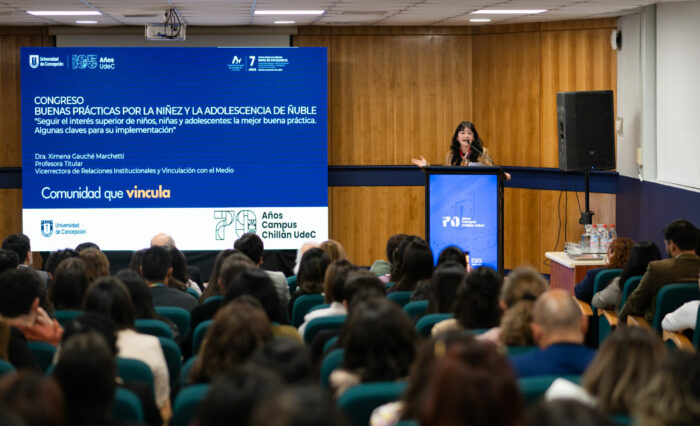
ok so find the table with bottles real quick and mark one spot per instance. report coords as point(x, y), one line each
point(566, 272)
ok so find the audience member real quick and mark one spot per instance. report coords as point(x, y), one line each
point(239, 328)
point(382, 268)
point(333, 292)
point(683, 318)
point(454, 254)
point(21, 289)
point(194, 273)
point(672, 396)
point(618, 254)
point(135, 262)
point(109, 296)
point(558, 329)
point(156, 271)
point(681, 239)
point(180, 271)
point(55, 259)
point(286, 357)
point(86, 245)
point(471, 384)
point(521, 288)
point(96, 262)
point(162, 240)
point(69, 284)
point(397, 258)
point(8, 260)
point(379, 341)
point(416, 264)
point(214, 287)
point(19, 243)
point(252, 246)
point(334, 250)
point(34, 398)
point(13, 347)
point(443, 287)
point(297, 406)
point(477, 302)
point(312, 270)
point(565, 412)
point(641, 254)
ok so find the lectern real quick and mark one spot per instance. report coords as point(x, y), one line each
point(464, 208)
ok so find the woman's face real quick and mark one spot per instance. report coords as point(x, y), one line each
point(465, 137)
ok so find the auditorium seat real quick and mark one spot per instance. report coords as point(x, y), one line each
point(602, 279)
point(133, 370)
point(607, 318)
point(153, 327)
point(179, 316)
point(415, 309)
point(670, 298)
point(302, 305)
point(185, 370)
point(401, 298)
point(321, 306)
point(324, 323)
point(65, 316)
point(331, 361)
point(186, 404)
point(214, 298)
point(330, 343)
point(533, 388)
point(292, 284)
point(425, 324)
point(43, 354)
point(6, 367)
point(359, 401)
point(198, 336)
point(173, 358)
point(127, 407)
point(678, 340)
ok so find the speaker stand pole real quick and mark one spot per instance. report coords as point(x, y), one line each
point(587, 216)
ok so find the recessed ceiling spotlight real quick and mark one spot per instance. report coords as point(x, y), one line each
point(509, 11)
point(63, 12)
point(289, 12)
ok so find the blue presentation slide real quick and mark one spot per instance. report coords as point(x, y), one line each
point(464, 213)
point(202, 143)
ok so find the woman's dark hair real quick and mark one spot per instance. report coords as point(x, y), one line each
point(213, 286)
point(641, 254)
point(477, 299)
point(472, 383)
point(334, 280)
point(179, 265)
point(397, 259)
point(455, 148)
point(135, 262)
point(56, 257)
point(312, 269)
point(443, 287)
point(379, 341)
point(109, 296)
point(256, 283)
point(287, 357)
point(392, 244)
point(417, 264)
point(34, 397)
point(454, 254)
point(92, 322)
point(68, 284)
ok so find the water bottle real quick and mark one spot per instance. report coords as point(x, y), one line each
point(595, 240)
point(613, 233)
point(604, 238)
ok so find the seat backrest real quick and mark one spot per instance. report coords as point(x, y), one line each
point(153, 327)
point(696, 333)
point(519, 350)
point(43, 354)
point(401, 298)
point(65, 316)
point(198, 336)
point(425, 325)
point(330, 362)
point(388, 285)
point(324, 323)
point(292, 284)
point(6, 367)
point(630, 285)
point(359, 401)
point(602, 279)
point(192, 292)
point(533, 388)
point(185, 370)
point(173, 357)
point(415, 309)
point(127, 407)
point(186, 404)
point(330, 343)
point(301, 307)
point(321, 306)
point(213, 298)
point(134, 370)
point(670, 298)
point(179, 316)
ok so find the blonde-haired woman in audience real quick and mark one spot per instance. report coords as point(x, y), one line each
point(520, 290)
point(96, 262)
point(333, 249)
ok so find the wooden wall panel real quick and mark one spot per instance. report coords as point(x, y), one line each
point(571, 60)
point(396, 97)
point(521, 228)
point(10, 212)
point(364, 217)
point(506, 96)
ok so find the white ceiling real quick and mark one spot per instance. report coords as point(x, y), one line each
point(338, 12)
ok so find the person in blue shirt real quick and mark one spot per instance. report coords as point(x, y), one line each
point(558, 329)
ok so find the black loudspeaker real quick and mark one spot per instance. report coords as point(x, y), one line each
point(586, 129)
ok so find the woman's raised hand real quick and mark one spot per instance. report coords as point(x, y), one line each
point(422, 162)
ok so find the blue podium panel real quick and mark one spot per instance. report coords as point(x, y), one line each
point(464, 209)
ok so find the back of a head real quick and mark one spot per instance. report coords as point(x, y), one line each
point(416, 264)
point(334, 280)
point(472, 384)
point(234, 395)
point(454, 254)
point(287, 357)
point(93, 322)
point(565, 412)
point(379, 341)
point(141, 296)
point(251, 245)
point(56, 257)
point(109, 296)
point(333, 249)
point(19, 243)
point(179, 264)
point(96, 262)
point(69, 284)
point(86, 245)
point(683, 233)
point(8, 260)
point(233, 265)
point(397, 259)
point(162, 240)
point(297, 406)
point(35, 398)
point(19, 288)
point(477, 299)
point(640, 255)
point(312, 269)
point(155, 264)
point(620, 249)
point(623, 365)
point(522, 283)
point(556, 311)
point(256, 283)
point(360, 281)
point(443, 287)
point(392, 244)
point(86, 372)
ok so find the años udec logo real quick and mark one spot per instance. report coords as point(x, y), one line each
point(245, 221)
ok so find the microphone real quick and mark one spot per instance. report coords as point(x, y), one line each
point(472, 146)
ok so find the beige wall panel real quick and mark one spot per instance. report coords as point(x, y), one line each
point(11, 212)
point(364, 217)
point(506, 96)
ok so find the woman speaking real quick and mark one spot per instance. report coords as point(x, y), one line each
point(466, 148)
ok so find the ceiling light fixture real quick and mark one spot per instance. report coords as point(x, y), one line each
point(85, 22)
point(64, 12)
point(289, 12)
point(284, 22)
point(509, 11)
point(480, 20)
